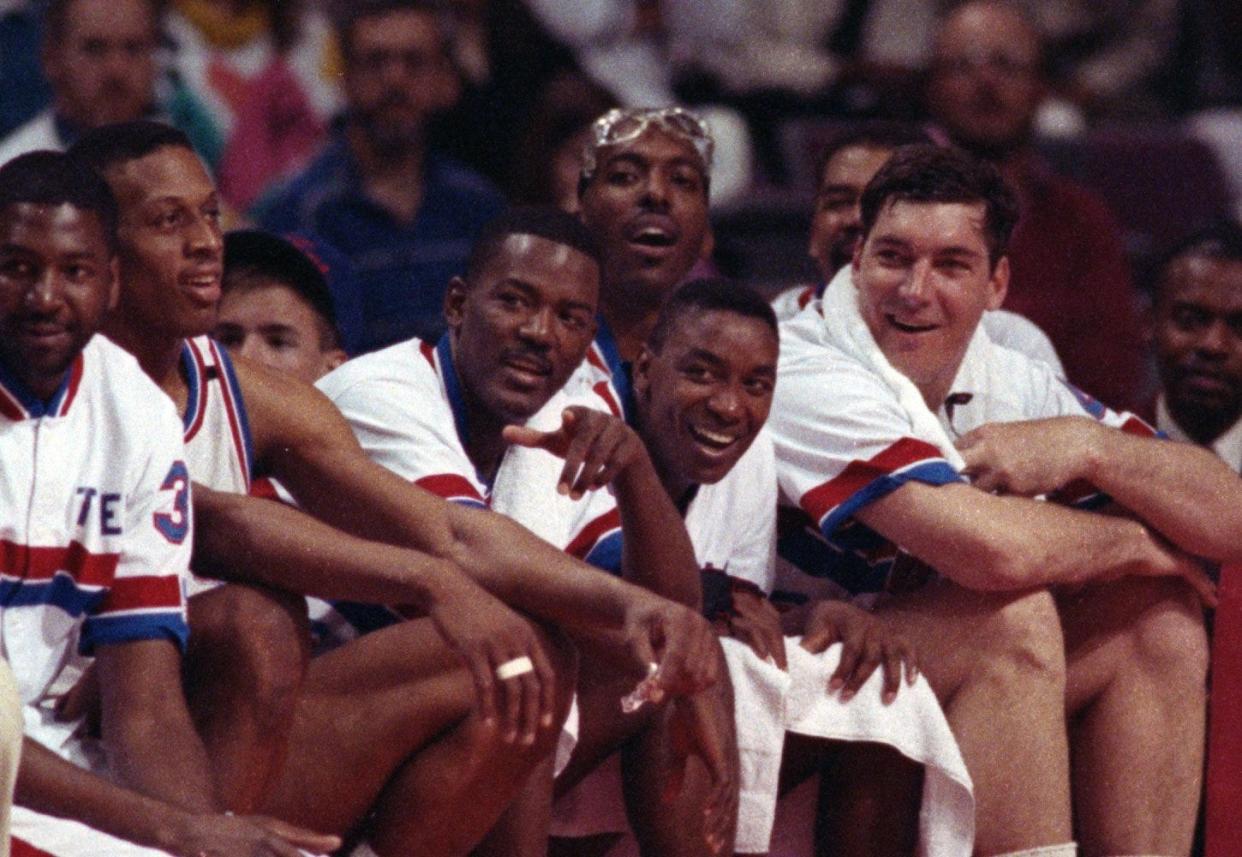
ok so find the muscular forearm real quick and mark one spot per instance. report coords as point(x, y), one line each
point(161, 756)
point(658, 554)
point(507, 560)
point(48, 784)
point(260, 541)
point(526, 572)
point(1184, 492)
point(994, 543)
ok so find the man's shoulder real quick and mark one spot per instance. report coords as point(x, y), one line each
point(321, 179)
point(117, 374)
point(404, 376)
point(808, 356)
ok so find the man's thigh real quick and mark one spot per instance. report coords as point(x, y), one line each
point(365, 708)
point(954, 629)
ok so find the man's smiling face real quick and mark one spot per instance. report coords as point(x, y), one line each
point(925, 278)
point(704, 396)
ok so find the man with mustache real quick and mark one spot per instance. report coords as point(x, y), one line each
point(520, 322)
point(1197, 333)
point(1070, 275)
point(96, 536)
point(643, 191)
point(404, 215)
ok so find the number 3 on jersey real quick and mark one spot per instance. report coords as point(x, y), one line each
point(175, 525)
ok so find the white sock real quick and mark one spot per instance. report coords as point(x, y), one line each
point(362, 849)
point(1065, 849)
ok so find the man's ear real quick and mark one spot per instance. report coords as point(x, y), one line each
point(455, 302)
point(998, 283)
point(333, 358)
point(709, 244)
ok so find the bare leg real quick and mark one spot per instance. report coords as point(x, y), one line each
point(1137, 677)
point(386, 723)
point(662, 828)
point(243, 669)
point(670, 824)
point(522, 830)
point(870, 803)
point(996, 662)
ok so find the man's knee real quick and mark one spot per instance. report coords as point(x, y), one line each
point(254, 638)
point(1022, 639)
point(1169, 636)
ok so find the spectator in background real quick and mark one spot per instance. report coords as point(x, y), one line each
point(549, 157)
point(1069, 271)
point(506, 59)
point(276, 308)
point(263, 75)
point(627, 46)
point(99, 57)
point(1197, 334)
point(21, 80)
point(404, 215)
point(1108, 56)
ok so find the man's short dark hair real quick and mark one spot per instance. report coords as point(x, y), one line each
point(1220, 240)
point(934, 174)
point(872, 134)
point(709, 294)
point(54, 178)
point(346, 14)
point(255, 259)
point(56, 19)
point(541, 221)
point(122, 142)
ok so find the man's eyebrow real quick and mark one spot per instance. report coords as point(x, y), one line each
point(629, 158)
point(957, 250)
point(574, 303)
point(703, 354)
point(277, 327)
point(891, 240)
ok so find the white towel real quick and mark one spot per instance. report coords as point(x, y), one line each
point(770, 702)
point(912, 724)
point(846, 329)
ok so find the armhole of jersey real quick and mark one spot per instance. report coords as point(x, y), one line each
point(235, 405)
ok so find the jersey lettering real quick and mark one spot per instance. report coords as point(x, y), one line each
point(108, 510)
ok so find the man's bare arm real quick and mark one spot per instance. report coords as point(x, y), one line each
point(304, 441)
point(985, 542)
point(600, 450)
point(274, 544)
point(1184, 492)
point(48, 784)
point(151, 743)
point(165, 797)
point(287, 549)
